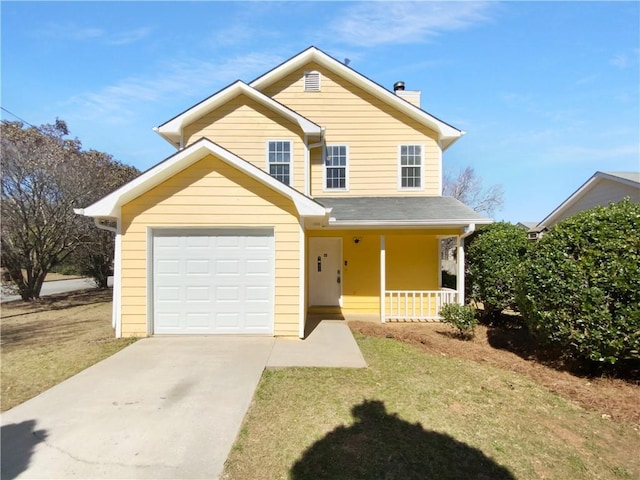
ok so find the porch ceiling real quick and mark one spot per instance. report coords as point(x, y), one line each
point(415, 211)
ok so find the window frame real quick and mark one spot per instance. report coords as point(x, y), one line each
point(421, 166)
point(268, 163)
point(325, 152)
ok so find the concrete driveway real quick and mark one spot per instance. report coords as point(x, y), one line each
point(165, 407)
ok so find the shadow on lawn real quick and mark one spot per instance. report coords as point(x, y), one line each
point(380, 445)
point(18, 442)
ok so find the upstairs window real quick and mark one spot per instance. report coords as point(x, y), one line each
point(279, 160)
point(335, 167)
point(410, 167)
point(312, 81)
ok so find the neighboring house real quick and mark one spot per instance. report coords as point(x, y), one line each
point(311, 189)
point(601, 189)
point(527, 225)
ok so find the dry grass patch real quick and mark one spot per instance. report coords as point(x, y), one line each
point(413, 414)
point(47, 341)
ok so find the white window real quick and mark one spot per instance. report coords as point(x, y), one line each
point(312, 81)
point(279, 158)
point(335, 167)
point(410, 167)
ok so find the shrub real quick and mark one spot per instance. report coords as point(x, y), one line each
point(461, 317)
point(580, 287)
point(494, 255)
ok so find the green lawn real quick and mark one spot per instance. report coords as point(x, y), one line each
point(412, 415)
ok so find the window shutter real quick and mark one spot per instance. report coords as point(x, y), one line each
point(311, 81)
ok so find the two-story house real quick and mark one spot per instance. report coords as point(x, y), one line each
point(310, 189)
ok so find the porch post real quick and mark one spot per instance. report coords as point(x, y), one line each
point(383, 276)
point(460, 272)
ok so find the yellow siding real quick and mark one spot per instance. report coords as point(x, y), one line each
point(371, 128)
point(209, 193)
point(244, 126)
point(411, 264)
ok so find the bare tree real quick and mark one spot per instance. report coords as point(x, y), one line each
point(44, 176)
point(37, 210)
point(467, 187)
point(94, 255)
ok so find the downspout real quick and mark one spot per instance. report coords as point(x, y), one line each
point(307, 180)
point(460, 273)
point(117, 261)
point(307, 159)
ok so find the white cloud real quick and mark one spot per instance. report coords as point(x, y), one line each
point(119, 102)
point(73, 32)
point(625, 60)
point(128, 37)
point(370, 24)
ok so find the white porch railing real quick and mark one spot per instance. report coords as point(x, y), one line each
point(418, 305)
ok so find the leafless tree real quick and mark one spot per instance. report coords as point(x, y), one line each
point(44, 176)
point(468, 188)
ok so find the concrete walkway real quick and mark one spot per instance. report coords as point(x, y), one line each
point(164, 407)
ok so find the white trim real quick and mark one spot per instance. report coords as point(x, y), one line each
point(446, 133)
point(172, 130)
point(109, 207)
point(460, 280)
point(149, 281)
point(307, 160)
point(422, 168)
point(383, 278)
point(302, 273)
point(117, 281)
point(439, 261)
point(439, 170)
point(291, 159)
point(324, 168)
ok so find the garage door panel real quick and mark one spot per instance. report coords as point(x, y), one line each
point(198, 294)
point(227, 267)
point(213, 282)
point(198, 267)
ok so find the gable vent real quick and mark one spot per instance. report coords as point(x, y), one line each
point(311, 81)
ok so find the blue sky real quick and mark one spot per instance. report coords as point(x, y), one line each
point(548, 92)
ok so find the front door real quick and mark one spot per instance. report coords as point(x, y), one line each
point(325, 271)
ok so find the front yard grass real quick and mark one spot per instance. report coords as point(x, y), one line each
point(50, 340)
point(418, 415)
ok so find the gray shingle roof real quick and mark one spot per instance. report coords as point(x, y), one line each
point(414, 210)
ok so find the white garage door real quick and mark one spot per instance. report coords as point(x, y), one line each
point(213, 282)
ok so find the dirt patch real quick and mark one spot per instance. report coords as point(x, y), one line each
point(613, 398)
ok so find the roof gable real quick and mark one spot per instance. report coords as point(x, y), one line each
point(446, 133)
point(172, 129)
point(109, 206)
point(623, 178)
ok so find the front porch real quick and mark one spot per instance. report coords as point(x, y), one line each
point(395, 275)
